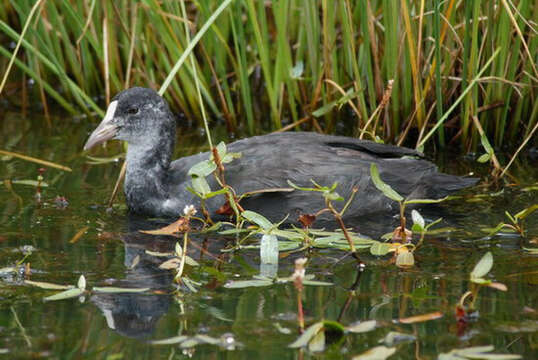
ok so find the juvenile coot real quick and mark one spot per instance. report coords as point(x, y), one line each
point(156, 186)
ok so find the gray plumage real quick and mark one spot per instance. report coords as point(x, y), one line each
point(157, 186)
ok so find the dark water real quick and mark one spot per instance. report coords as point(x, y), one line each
point(111, 252)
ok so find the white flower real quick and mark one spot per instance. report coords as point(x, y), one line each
point(189, 210)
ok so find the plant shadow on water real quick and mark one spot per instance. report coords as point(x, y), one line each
point(414, 308)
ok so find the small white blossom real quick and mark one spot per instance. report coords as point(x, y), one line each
point(189, 210)
point(299, 272)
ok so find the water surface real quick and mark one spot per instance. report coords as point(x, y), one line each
point(105, 246)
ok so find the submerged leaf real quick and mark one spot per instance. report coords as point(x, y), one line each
point(483, 266)
point(382, 186)
point(362, 326)
point(376, 353)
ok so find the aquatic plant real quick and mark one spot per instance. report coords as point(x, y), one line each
point(516, 221)
point(401, 232)
point(476, 277)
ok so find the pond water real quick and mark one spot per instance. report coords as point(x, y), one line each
point(84, 238)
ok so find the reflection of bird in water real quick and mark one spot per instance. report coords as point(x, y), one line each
point(136, 314)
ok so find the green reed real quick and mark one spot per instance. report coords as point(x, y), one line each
point(264, 65)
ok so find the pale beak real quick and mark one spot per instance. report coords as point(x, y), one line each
point(106, 129)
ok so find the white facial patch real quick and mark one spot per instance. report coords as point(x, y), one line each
point(110, 112)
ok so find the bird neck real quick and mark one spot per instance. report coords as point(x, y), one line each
point(147, 168)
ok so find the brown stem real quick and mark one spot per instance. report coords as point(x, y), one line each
point(402, 223)
point(205, 212)
point(340, 222)
point(300, 313)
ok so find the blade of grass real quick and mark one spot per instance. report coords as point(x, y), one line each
point(18, 46)
point(191, 45)
point(421, 143)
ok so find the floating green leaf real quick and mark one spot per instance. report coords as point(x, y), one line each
point(269, 249)
point(317, 283)
point(118, 290)
point(257, 219)
point(379, 248)
point(476, 352)
point(71, 293)
point(317, 344)
point(48, 286)
point(376, 353)
point(34, 183)
point(307, 335)
point(240, 284)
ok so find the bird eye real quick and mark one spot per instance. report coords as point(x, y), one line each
point(133, 111)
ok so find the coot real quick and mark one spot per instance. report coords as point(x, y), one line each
point(157, 186)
